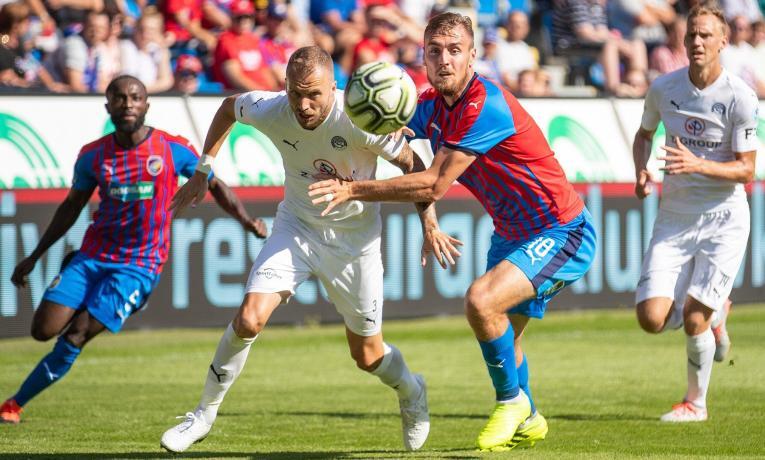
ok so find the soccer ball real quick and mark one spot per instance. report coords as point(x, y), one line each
point(380, 97)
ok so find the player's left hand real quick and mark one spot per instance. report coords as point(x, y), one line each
point(257, 227)
point(442, 245)
point(679, 159)
point(333, 192)
point(191, 193)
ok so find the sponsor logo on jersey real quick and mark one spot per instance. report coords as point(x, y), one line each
point(154, 165)
point(268, 274)
point(691, 142)
point(131, 192)
point(718, 107)
point(695, 126)
point(325, 166)
point(339, 142)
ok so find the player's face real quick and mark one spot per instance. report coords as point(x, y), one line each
point(127, 105)
point(311, 96)
point(704, 40)
point(449, 61)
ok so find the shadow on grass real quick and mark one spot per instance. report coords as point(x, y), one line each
point(383, 454)
point(364, 415)
point(600, 417)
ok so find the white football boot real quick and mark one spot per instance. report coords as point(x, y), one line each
point(685, 412)
point(192, 429)
point(415, 420)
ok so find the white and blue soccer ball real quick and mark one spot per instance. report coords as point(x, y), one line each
point(380, 97)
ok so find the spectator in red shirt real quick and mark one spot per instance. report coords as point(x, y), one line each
point(238, 61)
point(672, 56)
point(275, 43)
point(183, 22)
point(376, 44)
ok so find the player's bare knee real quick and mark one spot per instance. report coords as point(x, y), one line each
point(650, 324)
point(477, 303)
point(41, 333)
point(248, 324)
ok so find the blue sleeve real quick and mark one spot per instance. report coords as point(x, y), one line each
point(420, 118)
point(84, 177)
point(484, 123)
point(185, 160)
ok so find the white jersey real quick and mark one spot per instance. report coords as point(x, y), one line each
point(335, 147)
point(714, 123)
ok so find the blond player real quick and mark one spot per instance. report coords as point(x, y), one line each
point(700, 234)
point(315, 137)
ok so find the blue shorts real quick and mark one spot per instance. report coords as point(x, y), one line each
point(111, 292)
point(552, 259)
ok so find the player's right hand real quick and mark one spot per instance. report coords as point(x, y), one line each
point(191, 193)
point(25, 267)
point(644, 184)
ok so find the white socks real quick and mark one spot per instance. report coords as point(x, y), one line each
point(225, 368)
point(393, 372)
point(701, 352)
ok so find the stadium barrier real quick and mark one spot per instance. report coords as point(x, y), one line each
point(211, 255)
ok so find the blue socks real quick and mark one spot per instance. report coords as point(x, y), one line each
point(499, 355)
point(51, 368)
point(523, 381)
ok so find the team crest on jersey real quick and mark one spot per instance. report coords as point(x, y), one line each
point(154, 165)
point(695, 126)
point(55, 282)
point(718, 107)
point(339, 142)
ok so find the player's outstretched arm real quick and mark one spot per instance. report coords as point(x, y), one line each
point(66, 215)
point(442, 245)
point(194, 190)
point(641, 152)
point(229, 202)
point(425, 186)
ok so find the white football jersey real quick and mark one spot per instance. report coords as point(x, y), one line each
point(714, 123)
point(335, 147)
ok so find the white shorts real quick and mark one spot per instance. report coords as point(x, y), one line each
point(353, 278)
point(694, 255)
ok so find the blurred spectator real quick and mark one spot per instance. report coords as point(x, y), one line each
point(672, 56)
point(749, 9)
point(490, 65)
point(79, 62)
point(188, 69)
point(216, 14)
point(275, 43)
point(739, 56)
point(376, 43)
point(146, 56)
point(758, 43)
point(70, 15)
point(641, 19)
point(183, 23)
point(332, 16)
point(238, 61)
point(533, 83)
point(410, 57)
point(514, 53)
point(112, 59)
point(18, 67)
point(417, 10)
point(580, 27)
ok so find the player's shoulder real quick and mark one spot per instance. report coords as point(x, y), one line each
point(668, 81)
point(172, 138)
point(96, 145)
point(738, 86)
point(429, 94)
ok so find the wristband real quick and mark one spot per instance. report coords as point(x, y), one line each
point(204, 165)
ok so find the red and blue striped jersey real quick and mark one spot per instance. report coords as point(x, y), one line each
point(515, 175)
point(135, 185)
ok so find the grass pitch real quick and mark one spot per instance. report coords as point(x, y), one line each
point(599, 380)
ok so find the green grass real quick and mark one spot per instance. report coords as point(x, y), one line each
point(599, 380)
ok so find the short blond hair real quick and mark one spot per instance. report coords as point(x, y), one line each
point(444, 23)
point(709, 9)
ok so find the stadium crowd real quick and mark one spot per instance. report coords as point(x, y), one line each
point(534, 48)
